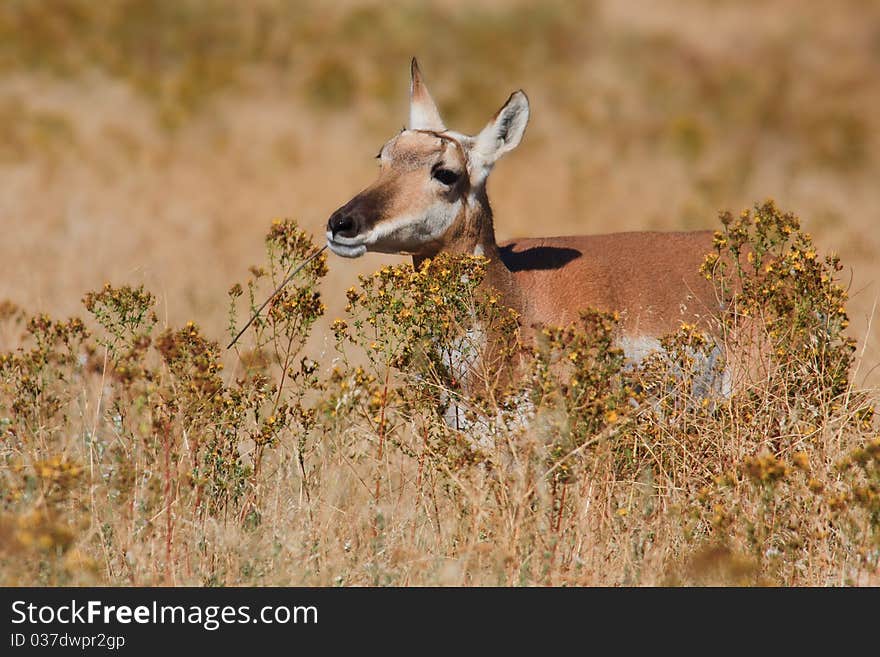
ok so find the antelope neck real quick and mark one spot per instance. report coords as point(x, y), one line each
point(474, 234)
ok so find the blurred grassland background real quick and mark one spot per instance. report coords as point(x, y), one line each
point(153, 141)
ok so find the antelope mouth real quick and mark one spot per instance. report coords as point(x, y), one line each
point(347, 247)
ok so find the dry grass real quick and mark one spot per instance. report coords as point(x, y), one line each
point(150, 142)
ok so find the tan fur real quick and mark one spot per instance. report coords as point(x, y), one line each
point(631, 273)
point(651, 278)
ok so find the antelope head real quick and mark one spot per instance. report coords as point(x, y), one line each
point(430, 181)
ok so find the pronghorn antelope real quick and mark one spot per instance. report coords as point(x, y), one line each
point(430, 196)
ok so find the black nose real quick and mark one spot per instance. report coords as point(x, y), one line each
point(343, 224)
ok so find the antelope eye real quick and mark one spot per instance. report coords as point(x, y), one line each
point(445, 176)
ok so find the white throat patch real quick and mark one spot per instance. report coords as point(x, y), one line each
point(409, 232)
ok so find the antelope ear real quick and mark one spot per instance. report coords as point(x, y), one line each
point(505, 130)
point(423, 114)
